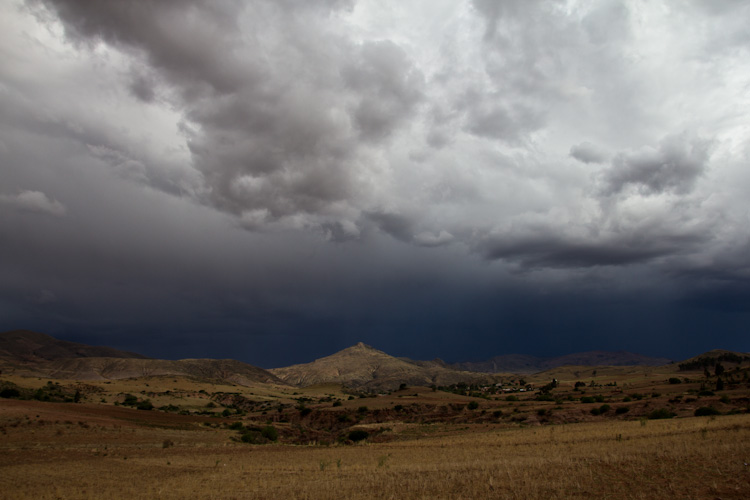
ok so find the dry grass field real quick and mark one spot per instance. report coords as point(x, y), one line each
point(599, 434)
point(58, 450)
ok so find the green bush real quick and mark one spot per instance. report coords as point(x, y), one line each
point(674, 380)
point(705, 411)
point(473, 405)
point(511, 398)
point(660, 413)
point(145, 405)
point(269, 432)
point(236, 426)
point(358, 435)
point(362, 409)
point(621, 409)
point(587, 399)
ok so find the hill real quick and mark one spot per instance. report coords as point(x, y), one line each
point(519, 363)
point(25, 346)
point(365, 367)
point(36, 354)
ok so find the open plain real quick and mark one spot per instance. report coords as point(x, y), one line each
point(224, 441)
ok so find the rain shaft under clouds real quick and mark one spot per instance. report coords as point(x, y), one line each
point(573, 174)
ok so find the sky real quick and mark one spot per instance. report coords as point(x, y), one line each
point(275, 180)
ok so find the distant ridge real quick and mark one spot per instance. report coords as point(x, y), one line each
point(519, 363)
point(363, 366)
point(34, 347)
point(30, 353)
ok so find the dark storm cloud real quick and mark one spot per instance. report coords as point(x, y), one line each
point(673, 167)
point(549, 251)
point(396, 225)
point(435, 178)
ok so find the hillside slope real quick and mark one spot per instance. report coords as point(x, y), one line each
point(362, 366)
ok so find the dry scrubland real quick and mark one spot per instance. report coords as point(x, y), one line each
point(51, 450)
point(422, 443)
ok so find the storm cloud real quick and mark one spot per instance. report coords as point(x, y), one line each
point(405, 175)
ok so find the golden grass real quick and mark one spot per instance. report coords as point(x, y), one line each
point(687, 458)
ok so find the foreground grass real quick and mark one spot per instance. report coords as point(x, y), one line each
point(687, 458)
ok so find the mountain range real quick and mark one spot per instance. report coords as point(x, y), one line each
point(360, 366)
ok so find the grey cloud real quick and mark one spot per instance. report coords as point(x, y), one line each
point(33, 201)
point(427, 239)
point(387, 85)
point(557, 251)
point(588, 153)
point(398, 226)
point(276, 105)
point(672, 167)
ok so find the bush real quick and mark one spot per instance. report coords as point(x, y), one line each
point(304, 411)
point(473, 405)
point(587, 399)
point(236, 426)
point(269, 432)
point(621, 409)
point(659, 414)
point(358, 435)
point(674, 380)
point(250, 437)
point(398, 407)
point(337, 403)
point(604, 408)
point(705, 411)
point(362, 409)
point(511, 398)
point(497, 413)
point(145, 405)
point(10, 393)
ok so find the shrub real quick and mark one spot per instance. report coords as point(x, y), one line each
point(398, 407)
point(725, 399)
point(497, 413)
point(304, 411)
point(706, 393)
point(358, 435)
point(269, 432)
point(10, 393)
point(511, 398)
point(660, 413)
point(130, 400)
point(362, 409)
point(337, 403)
point(621, 409)
point(604, 408)
point(674, 380)
point(250, 437)
point(705, 411)
point(587, 399)
point(473, 405)
point(145, 405)
point(236, 426)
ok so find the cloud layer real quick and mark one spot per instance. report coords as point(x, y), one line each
point(279, 154)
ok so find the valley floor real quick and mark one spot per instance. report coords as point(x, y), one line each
point(51, 451)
